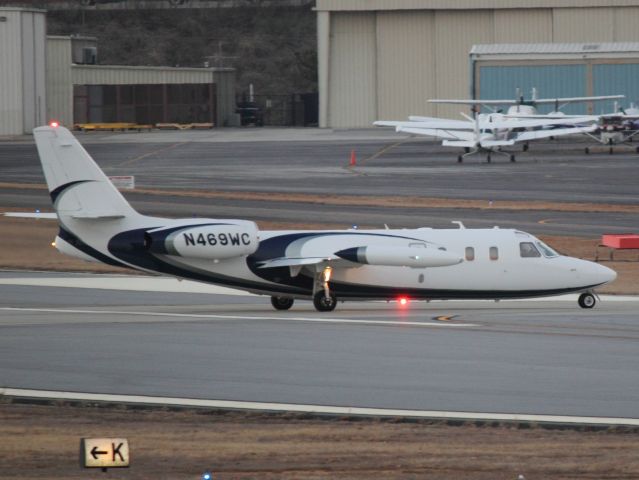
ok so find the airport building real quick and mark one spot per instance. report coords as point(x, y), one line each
point(382, 59)
point(58, 78)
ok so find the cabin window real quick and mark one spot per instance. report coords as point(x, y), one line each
point(528, 250)
point(494, 253)
point(470, 254)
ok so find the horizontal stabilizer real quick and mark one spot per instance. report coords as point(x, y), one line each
point(496, 143)
point(459, 143)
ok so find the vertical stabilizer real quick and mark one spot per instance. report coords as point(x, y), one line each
point(77, 186)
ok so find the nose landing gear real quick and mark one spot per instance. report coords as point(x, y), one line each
point(587, 300)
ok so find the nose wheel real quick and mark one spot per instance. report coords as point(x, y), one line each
point(587, 300)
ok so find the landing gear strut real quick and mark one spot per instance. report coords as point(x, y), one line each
point(587, 300)
point(323, 299)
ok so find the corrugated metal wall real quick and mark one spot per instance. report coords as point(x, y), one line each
point(10, 74)
point(610, 79)
point(500, 82)
point(22, 70)
point(405, 79)
point(384, 64)
point(59, 80)
point(353, 72)
point(523, 26)
point(455, 34)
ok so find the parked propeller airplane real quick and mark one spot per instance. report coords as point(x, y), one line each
point(489, 132)
point(98, 224)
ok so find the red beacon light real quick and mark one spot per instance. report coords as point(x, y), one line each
point(54, 124)
point(403, 301)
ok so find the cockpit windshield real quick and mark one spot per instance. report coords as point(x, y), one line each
point(528, 250)
point(546, 250)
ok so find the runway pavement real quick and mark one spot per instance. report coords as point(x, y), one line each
point(160, 337)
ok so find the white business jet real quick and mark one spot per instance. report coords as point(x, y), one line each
point(98, 224)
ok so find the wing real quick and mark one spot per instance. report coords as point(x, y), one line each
point(519, 122)
point(558, 132)
point(474, 102)
point(48, 216)
point(579, 99)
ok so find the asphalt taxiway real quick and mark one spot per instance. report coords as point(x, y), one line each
point(159, 337)
point(316, 161)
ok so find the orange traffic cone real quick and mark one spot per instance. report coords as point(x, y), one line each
point(353, 159)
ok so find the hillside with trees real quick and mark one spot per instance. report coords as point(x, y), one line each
point(271, 47)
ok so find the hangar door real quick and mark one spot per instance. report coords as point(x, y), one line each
point(613, 79)
point(501, 82)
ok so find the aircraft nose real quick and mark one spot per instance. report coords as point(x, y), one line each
point(606, 274)
point(597, 274)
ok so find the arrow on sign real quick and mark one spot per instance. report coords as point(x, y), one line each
point(95, 452)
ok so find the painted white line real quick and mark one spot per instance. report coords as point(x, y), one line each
point(124, 282)
point(319, 409)
point(397, 323)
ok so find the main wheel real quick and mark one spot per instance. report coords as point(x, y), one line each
point(323, 304)
point(488, 158)
point(587, 300)
point(282, 303)
point(460, 159)
point(512, 158)
point(587, 150)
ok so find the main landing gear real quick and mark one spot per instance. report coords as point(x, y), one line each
point(323, 299)
point(587, 300)
point(282, 303)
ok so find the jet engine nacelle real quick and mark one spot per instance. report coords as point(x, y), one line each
point(211, 241)
point(389, 256)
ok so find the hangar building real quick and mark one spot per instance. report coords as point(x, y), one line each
point(382, 59)
point(58, 78)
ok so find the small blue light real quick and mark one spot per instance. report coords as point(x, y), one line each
point(207, 476)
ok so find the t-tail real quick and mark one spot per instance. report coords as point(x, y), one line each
point(98, 224)
point(78, 188)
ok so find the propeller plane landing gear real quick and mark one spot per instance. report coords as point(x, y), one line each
point(587, 300)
